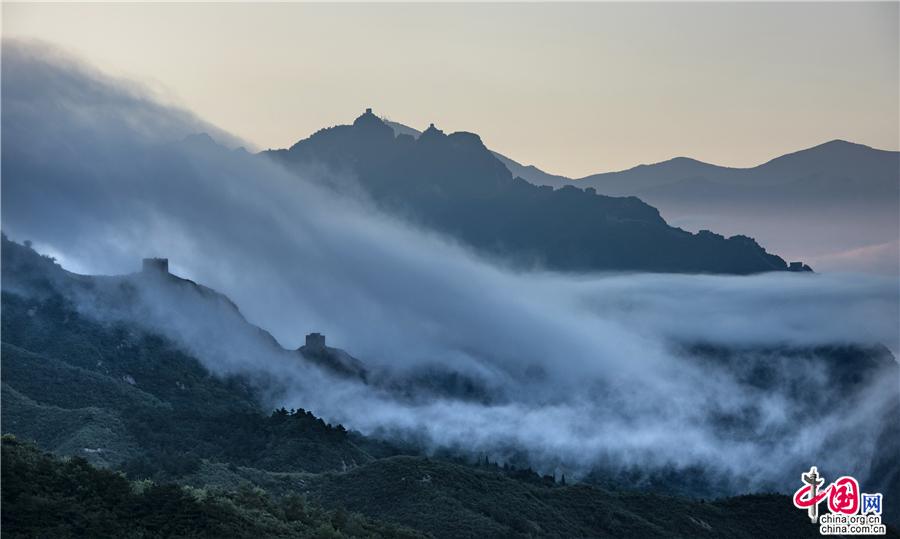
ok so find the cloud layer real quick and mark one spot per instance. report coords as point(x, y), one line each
point(581, 371)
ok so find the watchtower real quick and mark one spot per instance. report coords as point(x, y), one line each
point(315, 341)
point(156, 265)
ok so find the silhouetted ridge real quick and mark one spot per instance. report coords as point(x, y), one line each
point(454, 184)
point(432, 133)
point(370, 123)
point(836, 156)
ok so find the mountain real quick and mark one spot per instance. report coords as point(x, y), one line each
point(532, 174)
point(452, 501)
point(204, 456)
point(102, 388)
point(529, 173)
point(834, 168)
point(834, 205)
point(455, 185)
point(44, 496)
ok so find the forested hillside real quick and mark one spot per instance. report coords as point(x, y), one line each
point(47, 497)
point(198, 455)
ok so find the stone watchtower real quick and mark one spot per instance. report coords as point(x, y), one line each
point(315, 341)
point(156, 266)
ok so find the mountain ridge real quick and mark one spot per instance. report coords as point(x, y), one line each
point(208, 432)
point(833, 205)
point(533, 173)
point(805, 162)
point(455, 185)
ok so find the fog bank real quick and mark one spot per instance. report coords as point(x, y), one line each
point(582, 370)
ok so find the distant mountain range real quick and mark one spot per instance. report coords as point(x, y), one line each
point(454, 184)
point(836, 167)
point(834, 205)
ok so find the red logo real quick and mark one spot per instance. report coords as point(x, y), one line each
point(844, 497)
point(843, 494)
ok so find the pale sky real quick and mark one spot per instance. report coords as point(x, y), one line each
point(571, 88)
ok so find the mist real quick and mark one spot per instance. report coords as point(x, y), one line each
point(580, 370)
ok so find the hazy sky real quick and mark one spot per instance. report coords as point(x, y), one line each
point(571, 88)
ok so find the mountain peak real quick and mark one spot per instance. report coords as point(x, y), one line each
point(470, 140)
point(835, 145)
point(432, 133)
point(368, 119)
point(841, 142)
point(674, 164)
point(832, 156)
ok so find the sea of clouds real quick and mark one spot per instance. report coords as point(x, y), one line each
point(574, 371)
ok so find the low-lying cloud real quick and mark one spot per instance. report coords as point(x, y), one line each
point(584, 371)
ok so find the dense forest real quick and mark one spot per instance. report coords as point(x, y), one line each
point(47, 497)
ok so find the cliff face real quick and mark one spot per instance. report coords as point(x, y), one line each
point(455, 185)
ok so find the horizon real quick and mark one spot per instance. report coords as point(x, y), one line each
point(778, 154)
point(573, 89)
